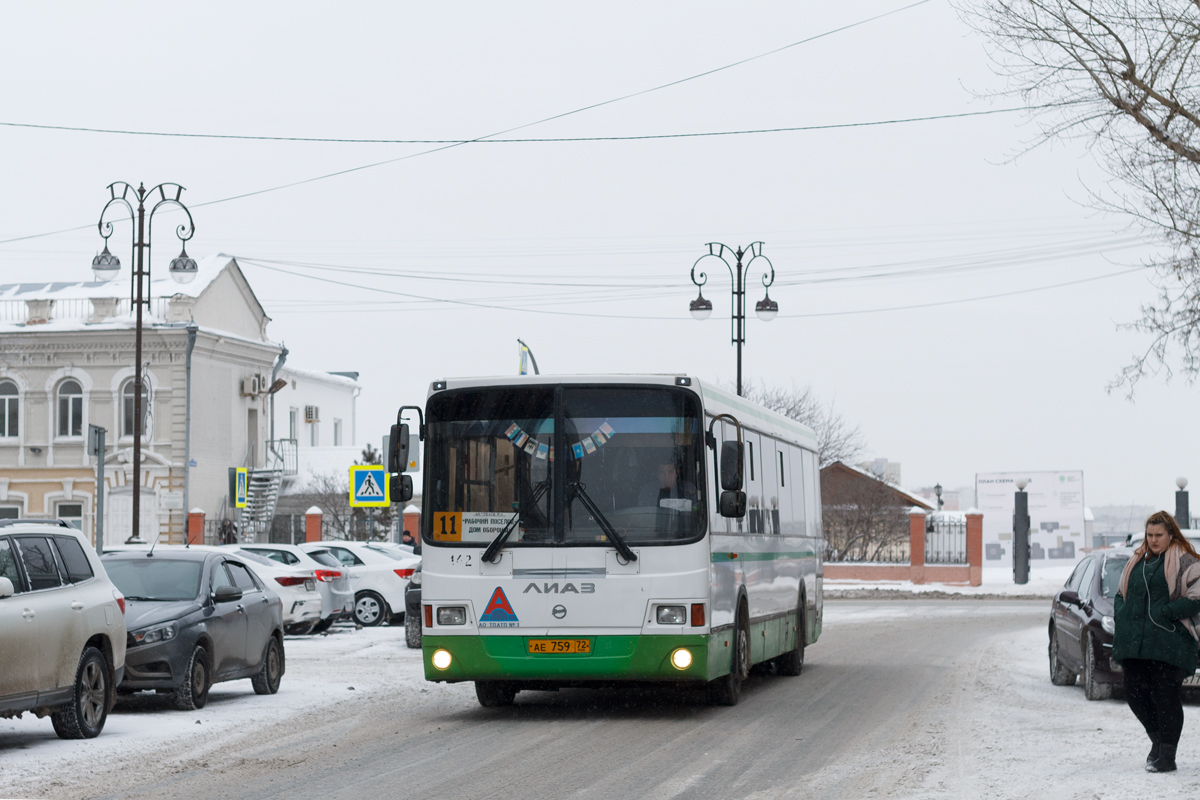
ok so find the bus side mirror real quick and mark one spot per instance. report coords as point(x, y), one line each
point(401, 489)
point(397, 456)
point(731, 468)
point(733, 504)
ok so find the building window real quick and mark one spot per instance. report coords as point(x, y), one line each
point(127, 412)
point(9, 405)
point(70, 408)
point(72, 514)
point(294, 423)
point(10, 512)
point(314, 438)
point(337, 433)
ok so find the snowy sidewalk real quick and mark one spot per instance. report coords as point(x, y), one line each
point(1044, 582)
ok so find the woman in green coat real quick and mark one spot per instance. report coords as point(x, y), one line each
point(1157, 611)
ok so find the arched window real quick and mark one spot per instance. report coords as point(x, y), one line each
point(9, 409)
point(70, 408)
point(127, 415)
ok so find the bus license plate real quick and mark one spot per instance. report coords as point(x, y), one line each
point(560, 646)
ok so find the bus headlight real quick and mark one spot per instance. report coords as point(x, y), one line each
point(672, 615)
point(681, 658)
point(452, 615)
point(441, 659)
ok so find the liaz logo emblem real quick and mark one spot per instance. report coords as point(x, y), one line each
point(567, 588)
point(499, 613)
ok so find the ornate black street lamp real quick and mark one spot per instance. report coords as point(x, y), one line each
point(766, 309)
point(183, 269)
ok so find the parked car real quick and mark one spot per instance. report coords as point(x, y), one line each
point(296, 587)
point(333, 582)
point(62, 628)
point(196, 616)
point(378, 578)
point(1081, 625)
point(412, 610)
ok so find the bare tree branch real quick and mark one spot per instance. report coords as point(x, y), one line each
point(837, 440)
point(1123, 76)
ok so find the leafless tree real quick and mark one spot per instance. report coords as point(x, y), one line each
point(330, 492)
point(837, 440)
point(863, 520)
point(1124, 76)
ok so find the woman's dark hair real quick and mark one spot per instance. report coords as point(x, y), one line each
point(1168, 522)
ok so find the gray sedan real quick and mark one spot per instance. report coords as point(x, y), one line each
point(196, 617)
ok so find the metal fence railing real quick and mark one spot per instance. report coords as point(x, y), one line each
point(946, 539)
point(288, 452)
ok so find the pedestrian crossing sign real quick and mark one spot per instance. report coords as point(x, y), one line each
point(241, 489)
point(369, 486)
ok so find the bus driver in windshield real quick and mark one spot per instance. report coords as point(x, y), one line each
point(670, 492)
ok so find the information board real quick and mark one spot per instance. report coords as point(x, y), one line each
point(1056, 533)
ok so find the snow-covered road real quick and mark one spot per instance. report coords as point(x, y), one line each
point(908, 699)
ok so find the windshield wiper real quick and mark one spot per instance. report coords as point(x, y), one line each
point(605, 525)
point(494, 548)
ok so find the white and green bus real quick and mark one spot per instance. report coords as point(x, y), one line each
point(592, 530)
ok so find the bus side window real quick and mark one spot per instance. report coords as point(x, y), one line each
point(799, 470)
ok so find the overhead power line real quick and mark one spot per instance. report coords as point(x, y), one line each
point(543, 139)
point(551, 118)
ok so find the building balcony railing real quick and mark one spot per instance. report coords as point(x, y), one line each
point(288, 452)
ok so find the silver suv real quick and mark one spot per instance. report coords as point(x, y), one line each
point(62, 625)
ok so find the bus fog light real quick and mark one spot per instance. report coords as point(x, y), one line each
point(681, 658)
point(672, 615)
point(441, 659)
point(452, 615)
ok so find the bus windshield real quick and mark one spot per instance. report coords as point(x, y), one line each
point(632, 459)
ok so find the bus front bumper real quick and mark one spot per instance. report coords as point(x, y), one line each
point(612, 658)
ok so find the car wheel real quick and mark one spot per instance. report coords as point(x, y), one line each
point(792, 663)
point(192, 694)
point(1060, 675)
point(369, 610)
point(1093, 689)
point(727, 690)
point(300, 629)
point(495, 694)
point(85, 716)
point(266, 680)
point(323, 625)
point(412, 630)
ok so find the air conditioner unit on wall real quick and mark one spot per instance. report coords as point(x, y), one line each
point(312, 414)
point(250, 386)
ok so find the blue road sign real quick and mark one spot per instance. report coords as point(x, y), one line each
point(369, 486)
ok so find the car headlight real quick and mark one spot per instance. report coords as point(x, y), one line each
point(159, 633)
point(452, 615)
point(415, 580)
point(1109, 624)
point(671, 615)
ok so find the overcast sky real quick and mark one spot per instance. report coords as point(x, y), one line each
point(583, 249)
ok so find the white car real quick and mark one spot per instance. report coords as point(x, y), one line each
point(333, 582)
point(378, 577)
point(296, 587)
point(62, 628)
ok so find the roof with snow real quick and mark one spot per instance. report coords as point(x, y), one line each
point(903, 497)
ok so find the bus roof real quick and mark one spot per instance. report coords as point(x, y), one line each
point(716, 400)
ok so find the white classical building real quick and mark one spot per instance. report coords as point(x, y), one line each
point(66, 361)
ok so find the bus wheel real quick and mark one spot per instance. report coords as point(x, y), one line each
point(727, 690)
point(792, 663)
point(495, 694)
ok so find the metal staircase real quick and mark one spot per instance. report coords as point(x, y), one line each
point(262, 496)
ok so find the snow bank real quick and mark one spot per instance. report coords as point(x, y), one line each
point(1043, 582)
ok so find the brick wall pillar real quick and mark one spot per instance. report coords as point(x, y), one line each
point(312, 525)
point(916, 544)
point(195, 526)
point(975, 546)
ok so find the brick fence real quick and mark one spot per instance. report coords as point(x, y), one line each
point(916, 570)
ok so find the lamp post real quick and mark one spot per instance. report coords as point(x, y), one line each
point(1183, 517)
point(1020, 540)
point(937, 490)
point(766, 309)
point(183, 269)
